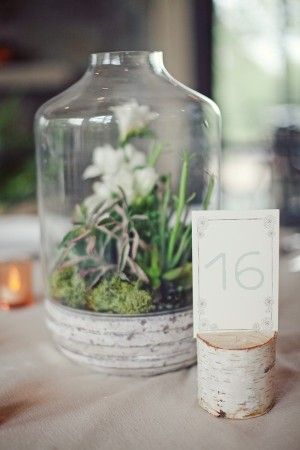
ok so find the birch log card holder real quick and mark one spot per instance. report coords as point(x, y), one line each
point(235, 295)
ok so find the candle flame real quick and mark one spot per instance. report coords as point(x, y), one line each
point(14, 279)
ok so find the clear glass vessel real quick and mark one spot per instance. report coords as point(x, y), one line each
point(123, 155)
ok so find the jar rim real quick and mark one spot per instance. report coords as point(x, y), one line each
point(126, 52)
point(130, 57)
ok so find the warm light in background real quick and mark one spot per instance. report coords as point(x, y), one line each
point(14, 279)
point(15, 284)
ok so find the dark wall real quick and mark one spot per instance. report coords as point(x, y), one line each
point(73, 28)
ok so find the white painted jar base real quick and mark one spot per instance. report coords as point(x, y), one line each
point(236, 373)
point(140, 345)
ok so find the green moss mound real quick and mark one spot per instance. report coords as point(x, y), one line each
point(112, 295)
point(67, 286)
point(120, 297)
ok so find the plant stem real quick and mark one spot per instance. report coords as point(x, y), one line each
point(164, 217)
point(183, 246)
point(154, 154)
point(179, 209)
point(210, 188)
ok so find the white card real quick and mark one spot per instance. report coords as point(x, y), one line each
point(235, 270)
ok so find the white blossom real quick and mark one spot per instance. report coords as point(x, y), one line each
point(103, 189)
point(123, 168)
point(91, 202)
point(132, 117)
point(102, 193)
point(144, 180)
point(133, 157)
point(106, 160)
point(124, 180)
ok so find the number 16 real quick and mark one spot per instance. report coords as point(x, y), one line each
point(238, 272)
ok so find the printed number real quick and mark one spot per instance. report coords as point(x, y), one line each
point(222, 256)
point(238, 271)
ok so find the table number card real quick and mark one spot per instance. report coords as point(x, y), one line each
point(235, 270)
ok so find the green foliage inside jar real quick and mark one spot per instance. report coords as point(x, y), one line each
point(130, 248)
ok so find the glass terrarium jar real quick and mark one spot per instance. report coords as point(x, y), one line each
point(123, 155)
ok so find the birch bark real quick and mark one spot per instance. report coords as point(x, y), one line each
point(236, 373)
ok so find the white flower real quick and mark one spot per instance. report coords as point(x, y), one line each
point(91, 202)
point(103, 190)
point(102, 193)
point(132, 117)
point(123, 168)
point(106, 160)
point(124, 180)
point(144, 180)
point(133, 157)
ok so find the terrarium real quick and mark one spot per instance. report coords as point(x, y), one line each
point(123, 156)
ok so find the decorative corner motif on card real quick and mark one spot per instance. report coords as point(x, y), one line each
point(269, 222)
point(269, 304)
point(203, 321)
point(202, 226)
point(206, 325)
point(267, 322)
point(202, 306)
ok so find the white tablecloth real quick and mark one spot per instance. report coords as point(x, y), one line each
point(47, 402)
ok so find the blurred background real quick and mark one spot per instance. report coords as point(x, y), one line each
point(245, 55)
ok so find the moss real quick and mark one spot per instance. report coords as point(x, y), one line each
point(120, 297)
point(68, 286)
point(111, 295)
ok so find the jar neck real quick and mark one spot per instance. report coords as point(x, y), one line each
point(131, 60)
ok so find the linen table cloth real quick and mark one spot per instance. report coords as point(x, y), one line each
point(47, 402)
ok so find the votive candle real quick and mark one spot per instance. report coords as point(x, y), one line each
point(15, 283)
